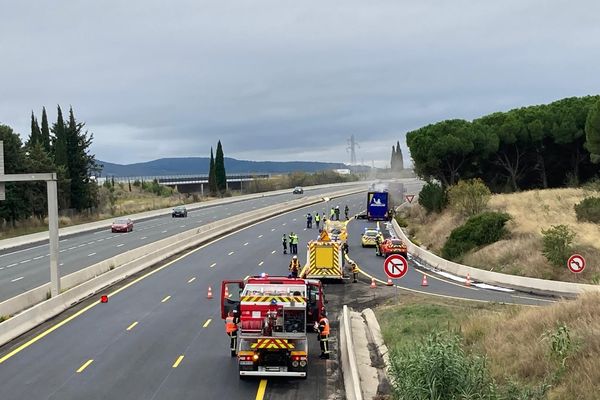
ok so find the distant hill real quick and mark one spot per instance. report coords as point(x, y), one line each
point(199, 165)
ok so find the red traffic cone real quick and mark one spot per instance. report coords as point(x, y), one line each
point(424, 281)
point(104, 299)
point(389, 282)
point(373, 284)
point(468, 280)
point(209, 294)
point(226, 292)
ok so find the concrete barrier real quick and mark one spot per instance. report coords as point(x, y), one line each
point(90, 280)
point(348, 358)
point(105, 224)
point(523, 283)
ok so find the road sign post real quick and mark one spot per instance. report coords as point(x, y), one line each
point(2, 190)
point(576, 263)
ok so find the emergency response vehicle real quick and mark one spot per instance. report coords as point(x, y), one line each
point(275, 314)
point(391, 246)
point(324, 258)
point(370, 237)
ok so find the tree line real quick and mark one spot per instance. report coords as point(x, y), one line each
point(63, 148)
point(541, 146)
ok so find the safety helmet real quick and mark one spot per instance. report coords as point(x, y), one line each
point(235, 312)
point(295, 257)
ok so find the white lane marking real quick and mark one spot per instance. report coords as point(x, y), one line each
point(91, 242)
point(304, 228)
point(122, 244)
point(192, 280)
point(64, 240)
point(17, 279)
point(261, 263)
point(81, 245)
point(63, 250)
point(284, 224)
point(273, 230)
point(91, 254)
point(100, 240)
point(182, 226)
point(61, 264)
point(212, 265)
point(71, 248)
point(11, 265)
point(259, 236)
point(246, 244)
point(20, 251)
point(142, 238)
point(38, 257)
point(230, 253)
point(47, 255)
point(294, 219)
point(95, 233)
point(25, 261)
point(274, 251)
point(164, 232)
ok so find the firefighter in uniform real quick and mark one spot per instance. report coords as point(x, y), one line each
point(324, 336)
point(294, 267)
point(231, 328)
point(346, 211)
point(354, 272)
point(317, 219)
point(284, 243)
point(309, 221)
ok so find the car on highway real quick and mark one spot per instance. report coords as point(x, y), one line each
point(298, 190)
point(391, 246)
point(369, 237)
point(179, 211)
point(122, 225)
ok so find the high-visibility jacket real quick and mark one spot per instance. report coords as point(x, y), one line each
point(324, 326)
point(294, 265)
point(294, 239)
point(332, 213)
point(230, 325)
point(317, 218)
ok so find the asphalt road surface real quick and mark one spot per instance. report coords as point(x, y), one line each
point(28, 267)
point(159, 337)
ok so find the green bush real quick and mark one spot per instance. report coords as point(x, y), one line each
point(401, 221)
point(480, 230)
point(469, 197)
point(557, 244)
point(432, 197)
point(438, 368)
point(588, 210)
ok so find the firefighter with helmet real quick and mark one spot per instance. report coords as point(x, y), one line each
point(231, 328)
point(323, 329)
point(294, 266)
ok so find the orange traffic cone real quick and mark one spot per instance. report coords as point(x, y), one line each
point(209, 295)
point(389, 282)
point(373, 284)
point(468, 280)
point(226, 292)
point(424, 281)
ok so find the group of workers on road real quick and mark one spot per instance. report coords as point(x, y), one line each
point(293, 238)
point(334, 215)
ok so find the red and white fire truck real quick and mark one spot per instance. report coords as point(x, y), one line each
point(275, 315)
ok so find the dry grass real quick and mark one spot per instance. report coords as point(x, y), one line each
point(515, 343)
point(520, 253)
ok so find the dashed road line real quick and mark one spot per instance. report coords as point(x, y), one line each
point(230, 253)
point(38, 257)
point(130, 327)
point(17, 279)
point(142, 238)
point(207, 323)
point(178, 361)
point(11, 265)
point(212, 265)
point(25, 261)
point(192, 279)
point(84, 366)
point(259, 236)
point(272, 229)
point(246, 244)
point(91, 254)
point(91, 242)
point(121, 244)
point(165, 299)
point(274, 251)
point(261, 263)
point(164, 232)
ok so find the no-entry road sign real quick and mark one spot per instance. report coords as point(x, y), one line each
point(576, 263)
point(395, 266)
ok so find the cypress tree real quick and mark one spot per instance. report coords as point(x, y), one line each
point(35, 136)
point(393, 159)
point(220, 176)
point(59, 142)
point(399, 157)
point(15, 207)
point(45, 134)
point(212, 183)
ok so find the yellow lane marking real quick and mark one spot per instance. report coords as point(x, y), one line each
point(130, 327)
point(212, 265)
point(207, 323)
point(165, 299)
point(84, 366)
point(178, 361)
point(192, 280)
point(133, 282)
point(262, 387)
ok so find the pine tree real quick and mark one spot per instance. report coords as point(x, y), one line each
point(220, 176)
point(35, 136)
point(592, 132)
point(45, 134)
point(212, 182)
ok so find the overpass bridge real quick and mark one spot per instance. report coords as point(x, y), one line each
point(195, 183)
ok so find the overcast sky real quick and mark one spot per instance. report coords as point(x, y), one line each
point(286, 80)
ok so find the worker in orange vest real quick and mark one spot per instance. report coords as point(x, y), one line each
point(231, 328)
point(324, 336)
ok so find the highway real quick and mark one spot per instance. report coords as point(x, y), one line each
point(25, 268)
point(159, 337)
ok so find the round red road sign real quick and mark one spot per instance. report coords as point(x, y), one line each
point(395, 266)
point(576, 263)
